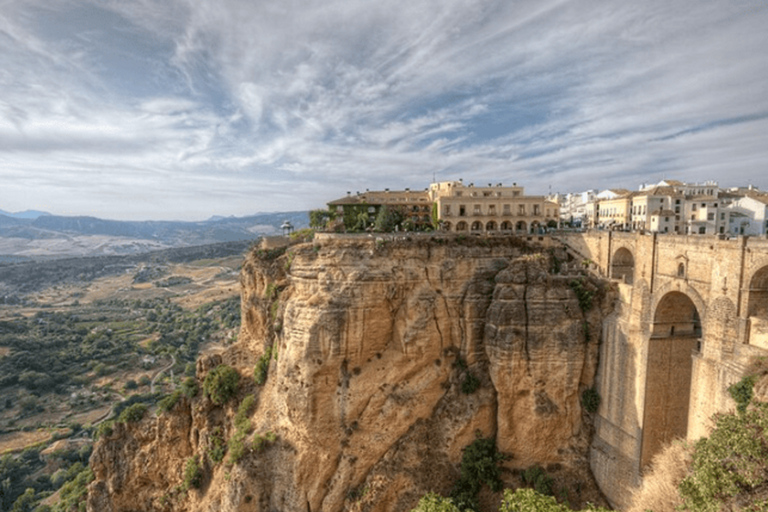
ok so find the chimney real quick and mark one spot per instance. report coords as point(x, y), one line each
point(349, 193)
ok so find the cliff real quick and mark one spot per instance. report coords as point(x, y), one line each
point(371, 346)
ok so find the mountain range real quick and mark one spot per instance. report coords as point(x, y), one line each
point(39, 235)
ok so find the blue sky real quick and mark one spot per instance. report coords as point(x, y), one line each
point(182, 109)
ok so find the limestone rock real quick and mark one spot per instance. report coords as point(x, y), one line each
point(371, 342)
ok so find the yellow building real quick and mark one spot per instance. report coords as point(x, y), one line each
point(492, 209)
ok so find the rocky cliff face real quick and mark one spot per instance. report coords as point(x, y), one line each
point(372, 342)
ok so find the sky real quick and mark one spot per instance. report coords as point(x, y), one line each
point(184, 109)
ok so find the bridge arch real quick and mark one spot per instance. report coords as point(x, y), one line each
point(757, 308)
point(675, 335)
point(623, 265)
point(757, 301)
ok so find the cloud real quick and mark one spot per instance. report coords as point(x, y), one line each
point(182, 108)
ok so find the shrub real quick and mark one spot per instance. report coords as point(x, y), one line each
point(236, 446)
point(536, 477)
point(221, 384)
point(193, 473)
point(216, 448)
point(470, 383)
point(167, 403)
point(590, 400)
point(479, 465)
point(133, 413)
point(731, 463)
point(528, 500)
point(582, 294)
point(189, 387)
point(432, 502)
point(742, 392)
point(105, 428)
point(262, 367)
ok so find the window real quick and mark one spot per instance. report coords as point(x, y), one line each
point(722, 216)
point(536, 209)
point(677, 201)
point(711, 216)
point(462, 211)
point(447, 209)
point(677, 209)
point(521, 209)
point(486, 194)
point(702, 230)
point(458, 194)
point(693, 207)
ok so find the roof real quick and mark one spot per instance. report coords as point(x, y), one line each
point(758, 196)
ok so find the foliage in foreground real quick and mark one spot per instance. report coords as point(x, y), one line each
point(432, 502)
point(528, 500)
point(731, 463)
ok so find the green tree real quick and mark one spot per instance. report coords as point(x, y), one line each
point(386, 220)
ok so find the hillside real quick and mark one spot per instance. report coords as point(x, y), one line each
point(53, 236)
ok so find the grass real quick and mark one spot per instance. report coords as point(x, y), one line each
point(659, 489)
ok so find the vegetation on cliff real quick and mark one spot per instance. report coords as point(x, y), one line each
point(726, 471)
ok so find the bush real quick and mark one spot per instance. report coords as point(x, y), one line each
point(742, 392)
point(167, 403)
point(731, 464)
point(536, 477)
point(528, 500)
point(221, 384)
point(262, 367)
point(216, 449)
point(582, 294)
point(193, 474)
point(470, 383)
point(105, 429)
point(479, 465)
point(590, 400)
point(133, 413)
point(432, 502)
point(189, 387)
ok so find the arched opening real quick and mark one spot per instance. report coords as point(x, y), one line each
point(535, 227)
point(461, 226)
point(447, 226)
point(477, 226)
point(675, 336)
point(521, 227)
point(490, 226)
point(506, 226)
point(623, 266)
point(681, 269)
point(757, 308)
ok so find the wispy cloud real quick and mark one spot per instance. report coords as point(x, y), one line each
point(182, 108)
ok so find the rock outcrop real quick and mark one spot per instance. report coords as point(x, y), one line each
point(375, 343)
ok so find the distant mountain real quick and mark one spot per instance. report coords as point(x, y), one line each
point(48, 236)
point(26, 214)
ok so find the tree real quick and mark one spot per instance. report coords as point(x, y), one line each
point(386, 220)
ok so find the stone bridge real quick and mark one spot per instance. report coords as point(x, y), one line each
point(693, 312)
